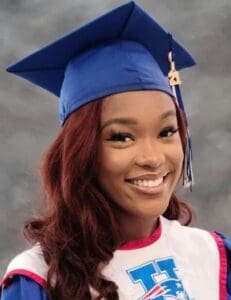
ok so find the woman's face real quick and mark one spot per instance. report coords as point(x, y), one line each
point(140, 152)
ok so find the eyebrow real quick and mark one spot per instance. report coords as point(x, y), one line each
point(131, 121)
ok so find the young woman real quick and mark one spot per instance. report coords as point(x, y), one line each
point(114, 228)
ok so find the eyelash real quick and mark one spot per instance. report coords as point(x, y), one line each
point(172, 129)
point(121, 136)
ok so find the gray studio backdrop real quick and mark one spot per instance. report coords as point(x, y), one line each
point(28, 115)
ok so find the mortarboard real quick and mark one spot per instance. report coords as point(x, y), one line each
point(123, 50)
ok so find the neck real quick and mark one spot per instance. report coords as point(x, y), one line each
point(135, 228)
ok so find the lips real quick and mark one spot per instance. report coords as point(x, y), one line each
point(149, 176)
point(149, 183)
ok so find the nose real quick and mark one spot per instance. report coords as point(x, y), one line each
point(150, 155)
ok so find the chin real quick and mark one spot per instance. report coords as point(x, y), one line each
point(150, 212)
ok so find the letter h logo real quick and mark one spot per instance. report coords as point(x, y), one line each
point(159, 280)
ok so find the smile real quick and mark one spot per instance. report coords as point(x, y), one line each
point(148, 183)
point(152, 186)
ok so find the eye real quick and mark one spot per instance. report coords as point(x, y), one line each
point(120, 137)
point(168, 132)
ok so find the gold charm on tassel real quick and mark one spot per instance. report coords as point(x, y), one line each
point(173, 75)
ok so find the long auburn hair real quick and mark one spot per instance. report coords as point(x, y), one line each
point(78, 232)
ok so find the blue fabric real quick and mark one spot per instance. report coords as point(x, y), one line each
point(23, 288)
point(134, 68)
point(123, 50)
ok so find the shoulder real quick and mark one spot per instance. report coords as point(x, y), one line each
point(193, 238)
point(198, 241)
point(23, 288)
point(29, 263)
point(227, 245)
point(173, 227)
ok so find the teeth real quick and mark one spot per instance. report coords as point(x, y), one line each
point(148, 183)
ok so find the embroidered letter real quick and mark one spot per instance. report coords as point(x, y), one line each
point(159, 280)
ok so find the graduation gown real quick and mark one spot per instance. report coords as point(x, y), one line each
point(195, 265)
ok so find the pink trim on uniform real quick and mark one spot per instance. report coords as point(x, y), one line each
point(9, 276)
point(136, 244)
point(223, 266)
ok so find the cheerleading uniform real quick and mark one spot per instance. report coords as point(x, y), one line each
point(175, 262)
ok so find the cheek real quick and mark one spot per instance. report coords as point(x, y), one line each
point(179, 154)
point(112, 170)
point(177, 157)
point(113, 163)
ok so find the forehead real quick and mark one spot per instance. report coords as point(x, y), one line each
point(136, 104)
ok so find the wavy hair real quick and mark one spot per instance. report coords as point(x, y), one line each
point(78, 232)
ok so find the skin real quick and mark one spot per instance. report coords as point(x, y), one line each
point(149, 145)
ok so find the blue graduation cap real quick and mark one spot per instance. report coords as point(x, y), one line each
point(123, 50)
